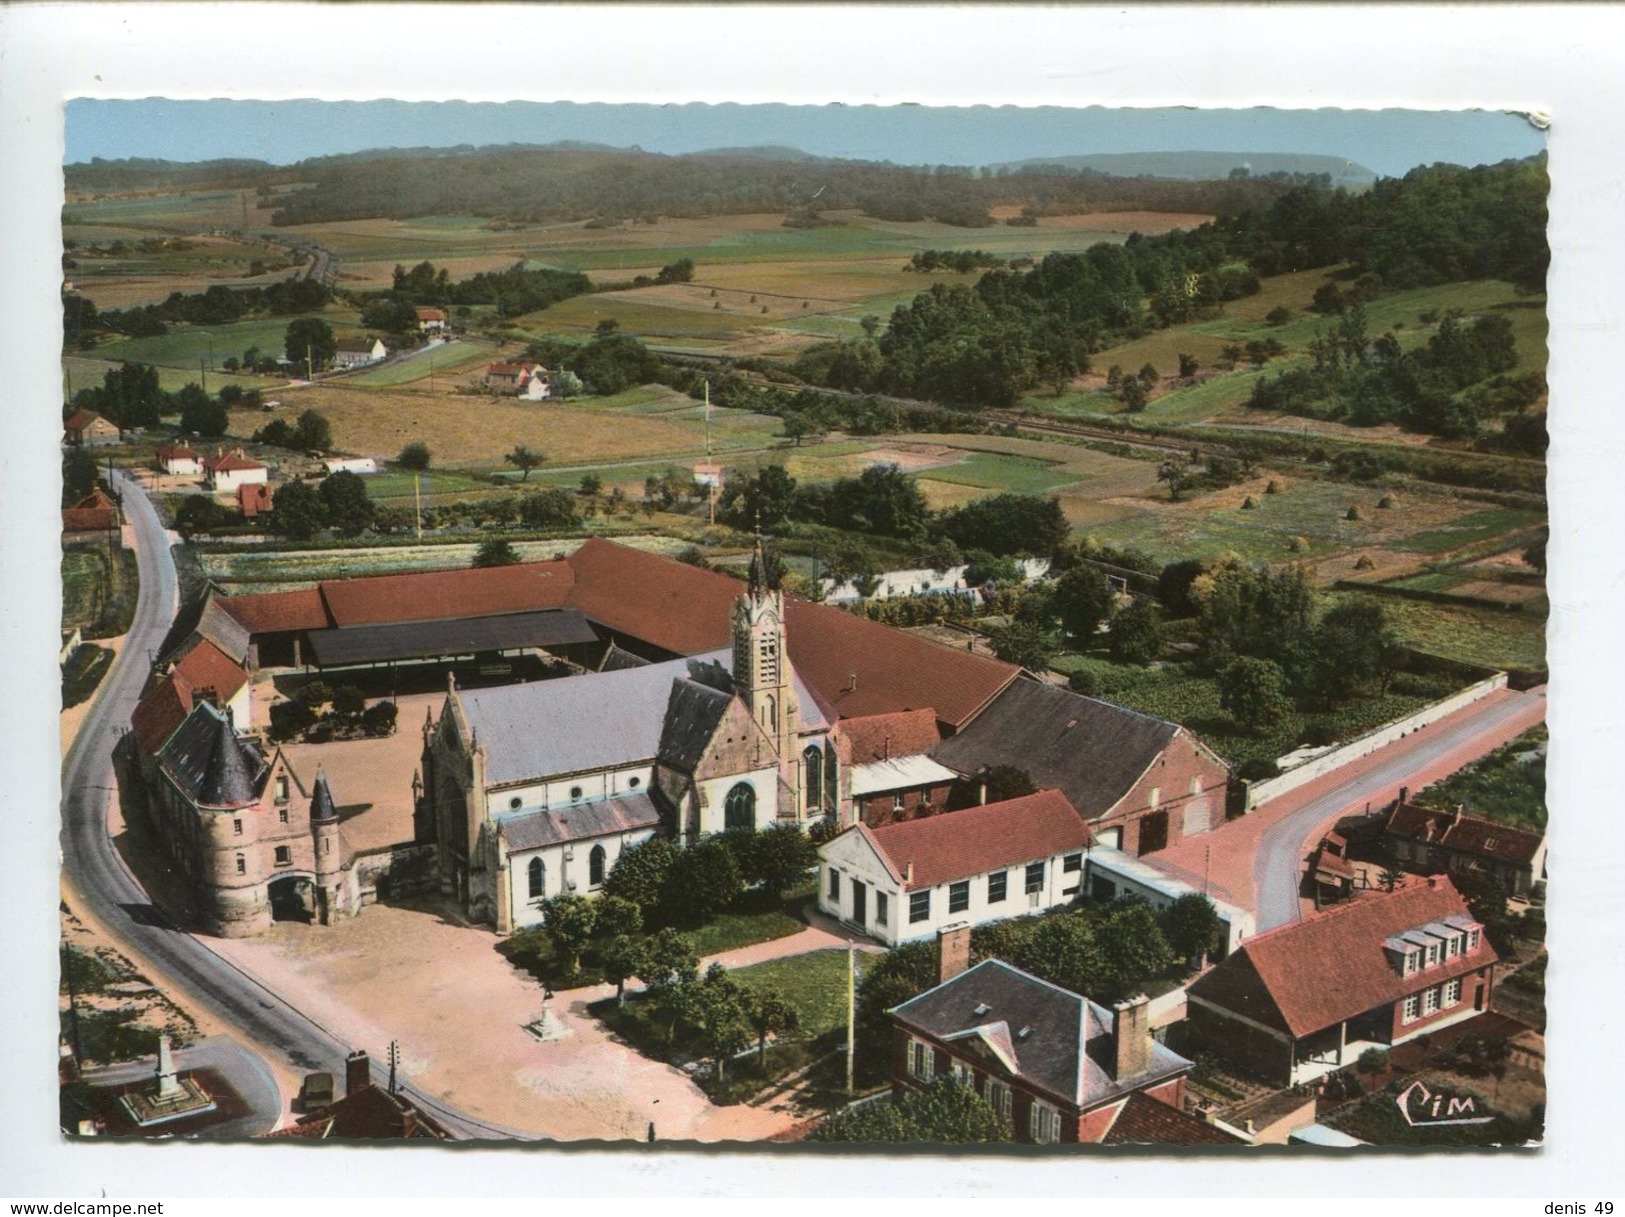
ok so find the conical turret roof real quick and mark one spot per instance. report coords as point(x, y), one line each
point(211, 764)
point(322, 807)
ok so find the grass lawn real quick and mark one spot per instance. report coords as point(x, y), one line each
point(186, 345)
point(1472, 529)
point(815, 984)
point(448, 361)
point(83, 673)
point(1508, 786)
point(998, 472)
point(751, 923)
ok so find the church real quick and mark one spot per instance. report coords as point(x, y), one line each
point(531, 791)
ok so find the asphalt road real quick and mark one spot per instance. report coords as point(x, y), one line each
point(1278, 867)
point(99, 877)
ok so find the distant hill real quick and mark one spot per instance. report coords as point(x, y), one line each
point(761, 152)
point(1207, 166)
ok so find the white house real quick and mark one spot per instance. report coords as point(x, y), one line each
point(926, 582)
point(569, 850)
point(179, 460)
point(432, 320)
point(905, 881)
point(225, 471)
point(1110, 874)
point(359, 352)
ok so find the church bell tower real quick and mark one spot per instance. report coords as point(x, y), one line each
point(761, 666)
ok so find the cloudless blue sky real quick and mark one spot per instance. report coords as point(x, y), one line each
point(1387, 141)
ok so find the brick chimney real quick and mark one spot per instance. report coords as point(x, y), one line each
point(357, 1073)
point(953, 951)
point(1131, 1037)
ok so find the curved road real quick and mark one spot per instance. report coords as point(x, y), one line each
point(102, 882)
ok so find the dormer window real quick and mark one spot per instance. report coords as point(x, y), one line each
point(1413, 961)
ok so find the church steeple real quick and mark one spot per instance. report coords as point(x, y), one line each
point(761, 667)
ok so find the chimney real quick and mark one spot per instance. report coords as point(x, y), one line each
point(1434, 881)
point(1404, 794)
point(357, 1073)
point(1131, 1037)
point(953, 951)
point(852, 683)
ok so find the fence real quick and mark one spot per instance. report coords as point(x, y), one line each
point(1365, 745)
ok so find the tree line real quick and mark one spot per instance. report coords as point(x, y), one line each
point(219, 305)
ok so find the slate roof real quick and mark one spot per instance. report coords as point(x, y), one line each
point(605, 817)
point(1312, 974)
point(575, 724)
point(1092, 750)
point(211, 764)
point(880, 737)
point(1061, 1042)
point(322, 806)
point(685, 610)
point(617, 660)
point(223, 630)
point(460, 636)
point(960, 844)
point(694, 711)
point(1469, 834)
point(1147, 1121)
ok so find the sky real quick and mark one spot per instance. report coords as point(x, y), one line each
point(1390, 142)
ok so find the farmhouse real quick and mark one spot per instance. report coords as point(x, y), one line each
point(94, 515)
point(528, 380)
point(86, 428)
point(1423, 838)
point(1061, 1068)
point(433, 321)
point(179, 460)
point(1141, 782)
point(1295, 1003)
point(225, 471)
point(253, 499)
point(906, 881)
point(359, 352)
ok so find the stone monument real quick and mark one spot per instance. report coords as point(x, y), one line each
point(169, 1097)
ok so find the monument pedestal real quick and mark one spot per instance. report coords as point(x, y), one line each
point(548, 1027)
point(170, 1098)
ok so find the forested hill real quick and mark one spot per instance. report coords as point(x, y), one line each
point(137, 173)
point(1208, 166)
point(536, 185)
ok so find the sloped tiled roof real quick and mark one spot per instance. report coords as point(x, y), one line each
point(880, 737)
point(176, 452)
point(80, 419)
point(442, 595)
point(1470, 834)
point(253, 498)
point(1061, 1041)
point(1147, 1121)
point(161, 709)
point(960, 844)
point(685, 610)
point(231, 462)
point(1331, 966)
point(277, 612)
point(87, 519)
point(694, 710)
point(371, 1114)
point(211, 764)
point(1092, 750)
point(208, 669)
point(605, 817)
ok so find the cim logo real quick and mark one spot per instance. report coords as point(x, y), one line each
point(1421, 1106)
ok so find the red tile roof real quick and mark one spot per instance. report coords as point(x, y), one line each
point(79, 420)
point(163, 708)
point(1146, 1121)
point(1331, 966)
point(276, 612)
point(880, 737)
point(230, 462)
point(445, 595)
point(206, 668)
point(504, 369)
point(176, 452)
point(960, 844)
point(372, 1114)
point(1459, 831)
point(431, 314)
point(87, 519)
point(856, 668)
point(253, 499)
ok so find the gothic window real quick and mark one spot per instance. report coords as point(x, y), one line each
point(767, 655)
point(770, 719)
point(812, 763)
point(740, 809)
point(595, 866)
point(537, 878)
point(831, 787)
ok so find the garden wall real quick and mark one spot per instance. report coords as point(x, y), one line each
point(1365, 745)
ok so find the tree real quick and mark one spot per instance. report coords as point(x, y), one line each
point(78, 475)
point(769, 1013)
point(495, 552)
point(415, 457)
point(548, 509)
point(1134, 948)
point(591, 484)
point(1187, 366)
point(703, 881)
point(201, 414)
point(669, 968)
point(798, 427)
point(1083, 600)
point(568, 921)
point(349, 701)
point(1352, 650)
point(947, 1112)
point(719, 1011)
point(1253, 692)
point(1025, 644)
point(1191, 925)
point(1177, 473)
point(763, 500)
point(620, 959)
point(641, 872)
point(983, 569)
point(309, 338)
point(1009, 524)
point(1131, 392)
point(524, 459)
point(680, 271)
point(889, 980)
point(616, 916)
point(1066, 951)
point(345, 502)
point(297, 512)
point(782, 855)
point(1136, 634)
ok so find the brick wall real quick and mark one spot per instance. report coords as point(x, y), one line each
point(1170, 778)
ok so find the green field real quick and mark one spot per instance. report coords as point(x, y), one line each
point(84, 576)
point(1487, 637)
point(455, 360)
point(815, 984)
point(1478, 527)
point(187, 347)
point(995, 471)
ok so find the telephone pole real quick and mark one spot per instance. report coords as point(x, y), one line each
point(851, 1011)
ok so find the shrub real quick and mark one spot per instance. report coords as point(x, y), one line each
point(1258, 769)
point(1364, 562)
point(1298, 545)
point(1386, 502)
point(380, 719)
point(290, 718)
point(1083, 681)
point(1317, 733)
point(1372, 1060)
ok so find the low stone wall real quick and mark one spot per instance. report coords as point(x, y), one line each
point(1365, 745)
point(406, 867)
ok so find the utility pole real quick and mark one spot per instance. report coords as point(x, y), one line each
point(851, 1011)
point(417, 498)
point(394, 1060)
point(310, 373)
point(711, 488)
